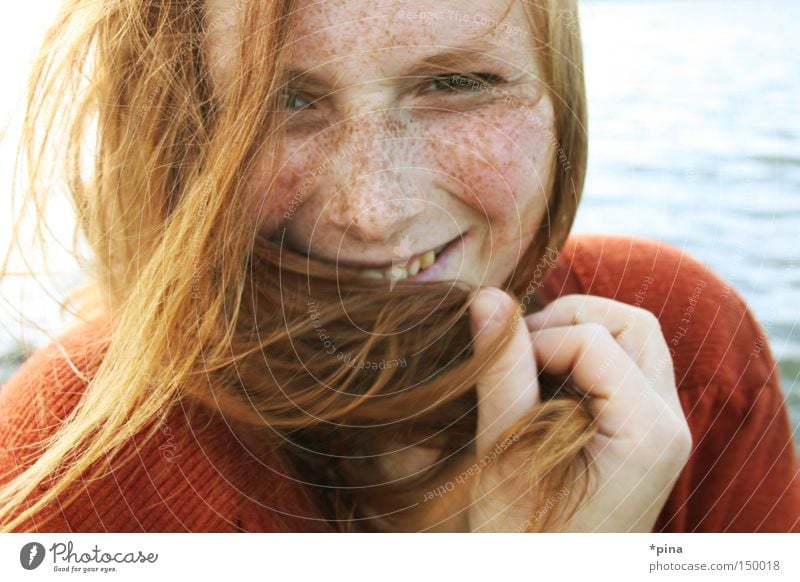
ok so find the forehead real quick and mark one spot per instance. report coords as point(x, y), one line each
point(374, 35)
point(402, 22)
point(392, 30)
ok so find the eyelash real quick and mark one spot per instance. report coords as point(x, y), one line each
point(464, 83)
point(470, 82)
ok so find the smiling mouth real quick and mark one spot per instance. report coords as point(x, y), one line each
point(405, 266)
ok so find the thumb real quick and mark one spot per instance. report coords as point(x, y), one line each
point(509, 387)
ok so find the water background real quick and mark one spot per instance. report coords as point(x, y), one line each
point(694, 112)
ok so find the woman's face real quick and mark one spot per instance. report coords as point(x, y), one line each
point(418, 137)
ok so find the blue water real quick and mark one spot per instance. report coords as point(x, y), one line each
point(695, 140)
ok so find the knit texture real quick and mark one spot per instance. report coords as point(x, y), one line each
point(196, 475)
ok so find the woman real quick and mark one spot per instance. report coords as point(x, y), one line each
point(319, 230)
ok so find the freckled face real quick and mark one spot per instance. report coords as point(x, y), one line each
point(410, 126)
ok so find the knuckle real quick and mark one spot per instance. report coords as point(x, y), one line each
point(651, 320)
point(647, 325)
point(638, 317)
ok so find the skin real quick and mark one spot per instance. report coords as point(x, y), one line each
point(401, 161)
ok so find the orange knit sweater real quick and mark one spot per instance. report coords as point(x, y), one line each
point(196, 475)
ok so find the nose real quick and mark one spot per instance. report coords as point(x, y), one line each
point(375, 190)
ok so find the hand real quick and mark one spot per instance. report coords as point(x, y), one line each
point(616, 355)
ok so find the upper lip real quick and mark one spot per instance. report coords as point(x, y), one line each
point(386, 263)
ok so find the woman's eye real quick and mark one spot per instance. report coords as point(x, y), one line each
point(294, 101)
point(464, 83)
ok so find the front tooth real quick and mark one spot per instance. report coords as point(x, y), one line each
point(413, 268)
point(372, 274)
point(398, 273)
point(427, 259)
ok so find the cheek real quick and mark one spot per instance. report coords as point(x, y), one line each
point(498, 161)
point(278, 200)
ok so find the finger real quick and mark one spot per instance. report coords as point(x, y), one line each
point(599, 367)
point(509, 387)
point(636, 330)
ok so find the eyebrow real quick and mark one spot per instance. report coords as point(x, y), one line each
point(464, 55)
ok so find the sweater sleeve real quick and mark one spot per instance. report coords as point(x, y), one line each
point(194, 475)
point(743, 474)
point(752, 482)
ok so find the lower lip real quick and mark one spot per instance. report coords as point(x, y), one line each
point(443, 261)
